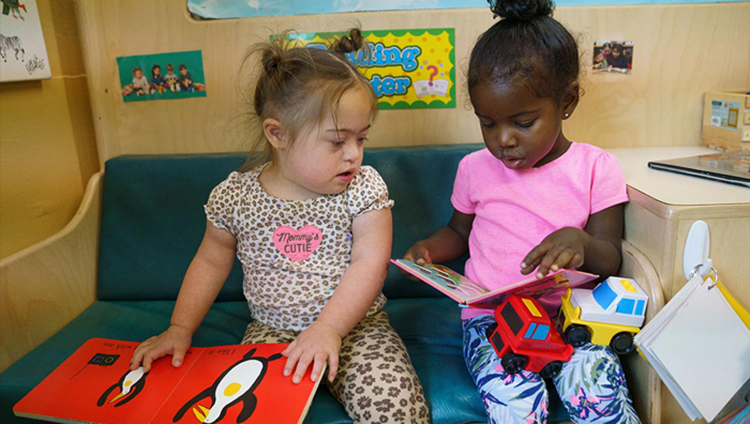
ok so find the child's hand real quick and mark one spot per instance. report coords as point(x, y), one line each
point(174, 341)
point(418, 253)
point(320, 342)
point(563, 248)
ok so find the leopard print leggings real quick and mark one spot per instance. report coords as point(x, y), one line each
point(376, 381)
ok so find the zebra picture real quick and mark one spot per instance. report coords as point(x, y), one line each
point(10, 43)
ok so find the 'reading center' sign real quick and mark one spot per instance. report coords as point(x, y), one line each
point(408, 69)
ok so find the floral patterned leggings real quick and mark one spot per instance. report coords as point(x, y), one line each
point(592, 385)
point(376, 381)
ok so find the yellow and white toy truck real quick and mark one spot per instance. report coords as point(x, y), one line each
point(611, 314)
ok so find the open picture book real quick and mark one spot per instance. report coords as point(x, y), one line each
point(473, 295)
point(226, 384)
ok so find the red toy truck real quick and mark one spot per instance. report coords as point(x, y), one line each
point(526, 338)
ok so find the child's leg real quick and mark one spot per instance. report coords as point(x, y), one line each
point(376, 381)
point(593, 389)
point(508, 398)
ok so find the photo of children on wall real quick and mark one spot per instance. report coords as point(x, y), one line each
point(142, 77)
point(613, 56)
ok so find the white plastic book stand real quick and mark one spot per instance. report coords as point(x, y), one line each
point(695, 257)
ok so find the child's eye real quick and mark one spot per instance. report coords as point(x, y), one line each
point(525, 124)
point(338, 143)
point(487, 124)
point(362, 139)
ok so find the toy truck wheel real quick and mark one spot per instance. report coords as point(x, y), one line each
point(622, 343)
point(577, 335)
point(512, 363)
point(551, 370)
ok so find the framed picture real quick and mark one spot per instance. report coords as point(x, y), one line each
point(23, 55)
point(613, 56)
point(163, 76)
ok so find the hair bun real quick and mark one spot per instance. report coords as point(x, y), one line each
point(273, 59)
point(521, 10)
point(349, 43)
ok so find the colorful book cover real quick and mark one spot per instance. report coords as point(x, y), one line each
point(473, 295)
point(740, 415)
point(226, 384)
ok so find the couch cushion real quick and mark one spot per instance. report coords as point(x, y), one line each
point(153, 222)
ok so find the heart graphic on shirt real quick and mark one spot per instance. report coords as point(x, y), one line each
point(297, 245)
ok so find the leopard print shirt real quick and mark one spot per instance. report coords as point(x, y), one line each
point(293, 252)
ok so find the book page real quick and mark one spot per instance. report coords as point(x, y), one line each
point(231, 384)
point(705, 349)
point(95, 384)
point(449, 282)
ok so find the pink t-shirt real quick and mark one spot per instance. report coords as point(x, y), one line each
point(516, 209)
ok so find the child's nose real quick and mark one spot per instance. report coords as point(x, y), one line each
point(507, 138)
point(351, 151)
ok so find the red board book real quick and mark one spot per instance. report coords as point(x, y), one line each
point(226, 384)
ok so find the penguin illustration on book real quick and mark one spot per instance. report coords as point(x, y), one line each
point(130, 384)
point(236, 384)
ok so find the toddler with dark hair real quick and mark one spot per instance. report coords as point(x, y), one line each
point(533, 201)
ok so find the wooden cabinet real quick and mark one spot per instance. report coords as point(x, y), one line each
point(662, 208)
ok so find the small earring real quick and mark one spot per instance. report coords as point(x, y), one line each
point(567, 115)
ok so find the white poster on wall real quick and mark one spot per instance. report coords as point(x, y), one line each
point(23, 55)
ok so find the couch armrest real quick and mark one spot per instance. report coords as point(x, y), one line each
point(645, 386)
point(45, 286)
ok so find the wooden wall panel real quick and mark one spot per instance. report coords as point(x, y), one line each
point(681, 51)
point(43, 287)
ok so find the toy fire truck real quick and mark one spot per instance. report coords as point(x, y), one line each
point(526, 338)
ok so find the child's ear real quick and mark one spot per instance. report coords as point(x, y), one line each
point(272, 130)
point(570, 99)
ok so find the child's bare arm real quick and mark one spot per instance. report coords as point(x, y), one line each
point(445, 244)
point(359, 286)
point(203, 281)
point(595, 249)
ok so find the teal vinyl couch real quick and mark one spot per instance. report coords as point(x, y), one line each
point(152, 222)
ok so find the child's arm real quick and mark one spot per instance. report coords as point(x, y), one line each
point(595, 249)
point(445, 244)
point(203, 281)
point(357, 290)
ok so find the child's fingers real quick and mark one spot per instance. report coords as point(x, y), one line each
point(289, 348)
point(534, 258)
point(291, 361)
point(304, 361)
point(318, 363)
point(526, 267)
point(548, 260)
point(417, 254)
point(149, 358)
point(135, 361)
point(424, 258)
point(178, 356)
point(536, 254)
point(139, 356)
point(568, 258)
point(333, 365)
point(410, 255)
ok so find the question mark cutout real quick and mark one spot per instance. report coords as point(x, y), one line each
point(434, 72)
